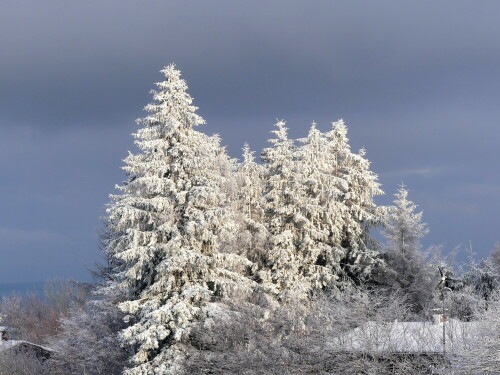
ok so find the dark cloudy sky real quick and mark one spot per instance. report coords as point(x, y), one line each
point(417, 82)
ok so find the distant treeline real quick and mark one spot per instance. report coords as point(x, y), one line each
point(23, 289)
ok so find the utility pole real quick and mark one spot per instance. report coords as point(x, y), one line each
point(442, 284)
point(443, 317)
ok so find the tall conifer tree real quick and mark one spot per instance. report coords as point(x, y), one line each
point(403, 226)
point(410, 272)
point(319, 209)
point(282, 263)
point(251, 192)
point(169, 222)
point(359, 186)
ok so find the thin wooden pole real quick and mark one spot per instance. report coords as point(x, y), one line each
point(444, 320)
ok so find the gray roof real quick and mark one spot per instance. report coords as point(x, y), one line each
point(13, 344)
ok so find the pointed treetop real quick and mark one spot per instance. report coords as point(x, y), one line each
point(313, 136)
point(339, 126)
point(403, 226)
point(282, 131)
point(172, 104)
point(402, 198)
point(313, 131)
point(170, 71)
point(248, 154)
point(339, 133)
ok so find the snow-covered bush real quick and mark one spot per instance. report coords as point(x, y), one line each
point(23, 363)
point(87, 341)
point(35, 318)
point(256, 336)
point(482, 354)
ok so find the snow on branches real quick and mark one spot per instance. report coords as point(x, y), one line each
point(170, 220)
point(319, 208)
point(191, 225)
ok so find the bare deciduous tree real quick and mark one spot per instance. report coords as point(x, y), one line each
point(22, 363)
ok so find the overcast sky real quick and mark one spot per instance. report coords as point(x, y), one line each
point(418, 84)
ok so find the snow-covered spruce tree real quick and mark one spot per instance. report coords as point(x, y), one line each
point(410, 272)
point(249, 205)
point(403, 226)
point(282, 263)
point(169, 222)
point(251, 191)
point(358, 186)
point(320, 212)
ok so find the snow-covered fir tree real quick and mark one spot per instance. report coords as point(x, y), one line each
point(403, 226)
point(320, 209)
point(282, 263)
point(251, 191)
point(358, 211)
point(169, 222)
point(408, 270)
point(249, 204)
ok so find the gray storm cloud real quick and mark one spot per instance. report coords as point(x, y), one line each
point(417, 84)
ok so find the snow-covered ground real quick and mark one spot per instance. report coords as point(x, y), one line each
point(408, 337)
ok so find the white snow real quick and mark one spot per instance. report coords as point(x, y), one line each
point(407, 337)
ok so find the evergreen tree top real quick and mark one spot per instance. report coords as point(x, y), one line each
point(340, 128)
point(403, 226)
point(282, 147)
point(281, 132)
point(403, 203)
point(172, 104)
point(248, 157)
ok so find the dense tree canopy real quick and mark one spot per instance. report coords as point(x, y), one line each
point(268, 265)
